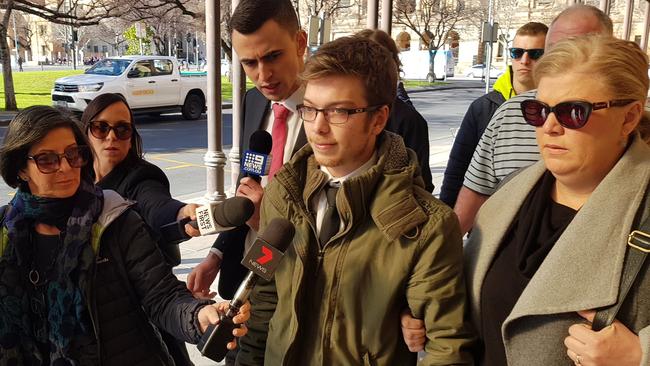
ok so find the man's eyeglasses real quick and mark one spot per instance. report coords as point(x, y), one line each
point(335, 116)
point(100, 129)
point(50, 162)
point(533, 53)
point(570, 114)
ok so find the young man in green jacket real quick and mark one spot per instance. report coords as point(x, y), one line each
point(370, 240)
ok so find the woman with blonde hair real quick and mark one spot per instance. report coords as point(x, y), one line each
point(549, 249)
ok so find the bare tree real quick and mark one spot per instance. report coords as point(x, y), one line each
point(70, 12)
point(328, 8)
point(431, 20)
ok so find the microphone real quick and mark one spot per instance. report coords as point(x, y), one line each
point(211, 219)
point(262, 259)
point(256, 161)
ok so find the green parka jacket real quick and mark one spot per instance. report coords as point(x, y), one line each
point(399, 248)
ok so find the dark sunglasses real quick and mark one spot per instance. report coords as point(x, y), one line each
point(533, 53)
point(100, 130)
point(570, 114)
point(50, 162)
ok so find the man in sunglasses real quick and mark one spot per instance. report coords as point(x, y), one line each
point(527, 48)
point(509, 143)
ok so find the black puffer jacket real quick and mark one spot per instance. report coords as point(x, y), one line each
point(467, 138)
point(132, 288)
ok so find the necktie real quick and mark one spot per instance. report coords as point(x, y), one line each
point(331, 221)
point(279, 134)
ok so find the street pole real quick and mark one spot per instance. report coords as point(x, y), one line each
point(196, 52)
point(13, 18)
point(387, 15)
point(488, 63)
point(74, 51)
point(238, 87)
point(646, 27)
point(214, 159)
point(605, 6)
point(627, 21)
point(373, 7)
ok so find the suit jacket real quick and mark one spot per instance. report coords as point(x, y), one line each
point(404, 120)
point(582, 271)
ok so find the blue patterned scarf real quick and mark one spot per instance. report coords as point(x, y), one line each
point(67, 315)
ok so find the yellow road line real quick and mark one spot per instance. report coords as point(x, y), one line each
point(181, 164)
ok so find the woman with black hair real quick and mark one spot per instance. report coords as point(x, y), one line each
point(81, 279)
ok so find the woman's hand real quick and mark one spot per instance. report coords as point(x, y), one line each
point(613, 345)
point(209, 314)
point(189, 210)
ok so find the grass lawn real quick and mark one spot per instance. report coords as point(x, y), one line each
point(418, 83)
point(34, 87)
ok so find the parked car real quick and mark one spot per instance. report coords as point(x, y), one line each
point(478, 71)
point(150, 84)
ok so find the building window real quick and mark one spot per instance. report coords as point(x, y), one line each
point(96, 49)
point(104, 49)
point(637, 39)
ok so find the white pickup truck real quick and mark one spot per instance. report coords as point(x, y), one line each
point(150, 84)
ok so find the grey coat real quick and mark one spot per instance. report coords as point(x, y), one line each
point(581, 272)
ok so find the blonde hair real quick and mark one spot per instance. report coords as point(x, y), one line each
point(620, 65)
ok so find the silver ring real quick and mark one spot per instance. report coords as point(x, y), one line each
point(578, 359)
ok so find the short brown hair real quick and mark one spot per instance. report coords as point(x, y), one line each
point(250, 15)
point(621, 65)
point(28, 128)
point(532, 29)
point(357, 56)
point(383, 39)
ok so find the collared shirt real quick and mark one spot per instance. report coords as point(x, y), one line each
point(320, 201)
point(293, 121)
point(293, 130)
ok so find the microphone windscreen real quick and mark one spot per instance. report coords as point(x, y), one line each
point(234, 211)
point(261, 142)
point(278, 233)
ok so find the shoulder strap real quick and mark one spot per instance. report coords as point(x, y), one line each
point(638, 247)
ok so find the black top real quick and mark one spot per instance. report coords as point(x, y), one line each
point(146, 184)
point(46, 247)
point(537, 226)
point(407, 122)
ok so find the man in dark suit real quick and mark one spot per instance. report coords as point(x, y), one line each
point(271, 47)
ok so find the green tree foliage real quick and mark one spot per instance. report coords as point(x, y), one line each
point(134, 43)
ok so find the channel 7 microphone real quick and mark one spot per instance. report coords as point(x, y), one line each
point(262, 259)
point(256, 161)
point(211, 219)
